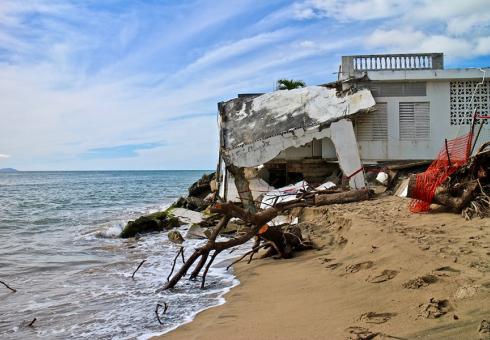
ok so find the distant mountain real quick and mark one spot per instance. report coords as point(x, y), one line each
point(8, 170)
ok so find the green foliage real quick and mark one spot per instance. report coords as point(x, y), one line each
point(289, 84)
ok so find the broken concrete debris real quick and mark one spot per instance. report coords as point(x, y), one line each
point(254, 130)
point(196, 231)
point(250, 125)
point(326, 186)
point(284, 194)
point(382, 178)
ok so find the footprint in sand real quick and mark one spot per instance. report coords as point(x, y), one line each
point(325, 259)
point(434, 309)
point(484, 330)
point(354, 268)
point(360, 333)
point(446, 271)
point(385, 275)
point(333, 266)
point(421, 281)
point(372, 317)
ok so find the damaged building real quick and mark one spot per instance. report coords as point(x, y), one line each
point(382, 109)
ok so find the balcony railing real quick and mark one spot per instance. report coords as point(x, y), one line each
point(379, 62)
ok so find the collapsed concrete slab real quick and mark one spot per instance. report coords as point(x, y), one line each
point(256, 129)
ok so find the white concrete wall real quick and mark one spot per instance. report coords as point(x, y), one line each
point(438, 95)
point(310, 150)
point(395, 149)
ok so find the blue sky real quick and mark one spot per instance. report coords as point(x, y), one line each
point(108, 84)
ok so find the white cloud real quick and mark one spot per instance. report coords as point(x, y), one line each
point(483, 46)
point(458, 28)
point(348, 10)
point(409, 40)
point(395, 39)
point(237, 48)
point(2, 155)
point(460, 25)
point(437, 10)
point(415, 10)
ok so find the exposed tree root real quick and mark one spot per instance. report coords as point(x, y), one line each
point(165, 307)
point(181, 251)
point(132, 276)
point(6, 285)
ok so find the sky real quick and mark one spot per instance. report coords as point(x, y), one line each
point(134, 84)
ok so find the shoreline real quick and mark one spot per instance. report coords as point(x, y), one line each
point(367, 279)
point(221, 301)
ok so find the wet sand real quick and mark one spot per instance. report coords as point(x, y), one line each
point(381, 273)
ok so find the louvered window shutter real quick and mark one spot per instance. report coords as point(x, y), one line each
point(373, 125)
point(414, 120)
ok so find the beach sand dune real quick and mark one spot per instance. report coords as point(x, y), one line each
point(380, 273)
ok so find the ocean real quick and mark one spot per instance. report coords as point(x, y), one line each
point(60, 250)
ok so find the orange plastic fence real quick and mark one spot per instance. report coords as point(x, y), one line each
point(452, 156)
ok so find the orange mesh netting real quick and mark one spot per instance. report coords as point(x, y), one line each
point(443, 166)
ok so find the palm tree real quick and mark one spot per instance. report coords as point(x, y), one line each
point(289, 84)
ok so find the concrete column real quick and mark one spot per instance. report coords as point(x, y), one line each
point(345, 142)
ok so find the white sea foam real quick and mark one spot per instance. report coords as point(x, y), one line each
point(111, 231)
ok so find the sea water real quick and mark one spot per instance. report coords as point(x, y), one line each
point(59, 248)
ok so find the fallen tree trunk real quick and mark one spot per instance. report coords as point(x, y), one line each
point(445, 195)
point(460, 189)
point(342, 197)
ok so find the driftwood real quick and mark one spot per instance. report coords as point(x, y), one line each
point(283, 240)
point(6, 285)
point(228, 210)
point(342, 197)
point(181, 251)
point(165, 307)
point(250, 253)
point(139, 266)
point(467, 190)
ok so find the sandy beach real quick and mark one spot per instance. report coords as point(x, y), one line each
point(380, 273)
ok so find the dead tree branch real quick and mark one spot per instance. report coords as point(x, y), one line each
point(182, 253)
point(132, 276)
point(175, 260)
point(200, 264)
point(165, 307)
point(228, 210)
point(216, 252)
point(6, 285)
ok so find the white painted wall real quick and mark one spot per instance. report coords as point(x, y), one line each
point(312, 149)
point(395, 149)
point(438, 95)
